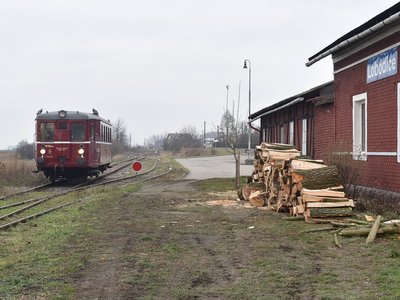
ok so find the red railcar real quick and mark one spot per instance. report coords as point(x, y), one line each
point(72, 144)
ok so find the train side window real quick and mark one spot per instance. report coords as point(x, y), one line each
point(62, 125)
point(47, 132)
point(92, 132)
point(78, 132)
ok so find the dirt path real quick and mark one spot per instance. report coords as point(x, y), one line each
point(169, 241)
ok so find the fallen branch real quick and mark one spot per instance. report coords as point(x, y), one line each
point(374, 230)
point(365, 232)
point(336, 238)
point(318, 229)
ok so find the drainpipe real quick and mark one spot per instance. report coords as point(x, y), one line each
point(355, 38)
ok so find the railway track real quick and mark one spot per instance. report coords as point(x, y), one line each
point(115, 165)
point(35, 207)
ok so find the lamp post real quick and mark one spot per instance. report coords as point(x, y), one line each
point(246, 61)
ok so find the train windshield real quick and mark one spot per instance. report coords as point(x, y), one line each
point(47, 132)
point(78, 132)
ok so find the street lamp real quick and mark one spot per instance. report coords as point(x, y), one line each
point(246, 61)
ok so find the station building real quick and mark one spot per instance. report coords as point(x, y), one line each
point(367, 96)
point(303, 120)
point(360, 108)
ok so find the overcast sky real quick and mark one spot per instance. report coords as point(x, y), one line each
point(160, 65)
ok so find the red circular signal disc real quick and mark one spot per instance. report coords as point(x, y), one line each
point(137, 166)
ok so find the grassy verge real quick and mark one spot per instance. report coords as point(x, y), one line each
point(35, 257)
point(218, 184)
point(177, 247)
point(15, 172)
point(196, 152)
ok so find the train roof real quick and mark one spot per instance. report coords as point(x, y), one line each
point(69, 115)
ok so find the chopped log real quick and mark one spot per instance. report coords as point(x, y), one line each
point(257, 199)
point(349, 203)
point(300, 209)
point(299, 164)
point(277, 146)
point(338, 188)
point(322, 193)
point(296, 178)
point(322, 212)
point(315, 161)
point(365, 231)
point(374, 230)
point(312, 198)
point(321, 178)
point(245, 191)
point(280, 154)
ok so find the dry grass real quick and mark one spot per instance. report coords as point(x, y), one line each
point(17, 172)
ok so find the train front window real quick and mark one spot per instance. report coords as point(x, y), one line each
point(78, 132)
point(47, 132)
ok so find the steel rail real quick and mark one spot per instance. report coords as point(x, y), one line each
point(73, 188)
point(40, 200)
point(22, 220)
point(52, 183)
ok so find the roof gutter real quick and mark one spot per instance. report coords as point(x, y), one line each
point(252, 127)
point(297, 100)
point(355, 38)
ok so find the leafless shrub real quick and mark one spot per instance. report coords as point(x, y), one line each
point(350, 169)
point(378, 202)
point(349, 166)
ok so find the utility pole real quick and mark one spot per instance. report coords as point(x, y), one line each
point(204, 137)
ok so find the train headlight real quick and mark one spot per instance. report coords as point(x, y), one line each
point(81, 151)
point(43, 151)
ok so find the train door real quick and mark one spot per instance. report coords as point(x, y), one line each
point(62, 149)
point(93, 140)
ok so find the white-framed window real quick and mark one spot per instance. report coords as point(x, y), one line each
point(304, 137)
point(291, 133)
point(398, 122)
point(360, 127)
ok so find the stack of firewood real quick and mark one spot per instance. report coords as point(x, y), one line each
point(285, 181)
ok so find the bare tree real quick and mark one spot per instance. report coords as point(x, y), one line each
point(120, 135)
point(120, 142)
point(155, 141)
point(229, 129)
point(192, 132)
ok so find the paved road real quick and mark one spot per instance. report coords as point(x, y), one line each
point(214, 167)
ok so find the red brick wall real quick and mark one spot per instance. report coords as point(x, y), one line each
point(283, 117)
point(324, 125)
point(379, 171)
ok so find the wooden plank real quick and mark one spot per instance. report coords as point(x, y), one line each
point(277, 146)
point(323, 193)
point(312, 198)
point(349, 203)
point(298, 164)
